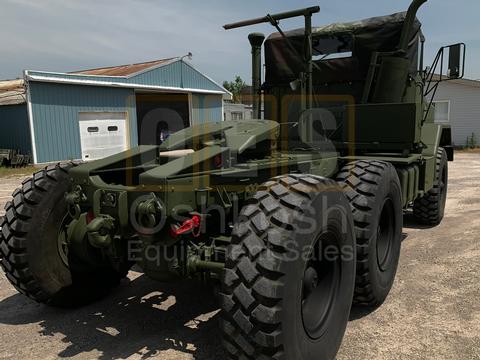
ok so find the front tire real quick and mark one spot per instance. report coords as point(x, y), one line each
point(284, 296)
point(29, 246)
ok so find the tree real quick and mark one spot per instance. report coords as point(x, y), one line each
point(472, 141)
point(236, 87)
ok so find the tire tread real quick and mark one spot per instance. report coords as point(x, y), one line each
point(426, 209)
point(253, 283)
point(359, 181)
point(15, 227)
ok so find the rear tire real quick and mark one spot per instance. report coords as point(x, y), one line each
point(430, 209)
point(268, 311)
point(29, 247)
point(374, 192)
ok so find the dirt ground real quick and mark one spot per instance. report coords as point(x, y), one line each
point(7, 185)
point(433, 311)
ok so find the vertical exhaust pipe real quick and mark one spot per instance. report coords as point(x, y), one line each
point(256, 41)
point(408, 24)
point(394, 70)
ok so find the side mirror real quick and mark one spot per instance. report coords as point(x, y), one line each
point(456, 62)
point(455, 69)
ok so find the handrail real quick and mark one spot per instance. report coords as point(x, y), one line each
point(276, 17)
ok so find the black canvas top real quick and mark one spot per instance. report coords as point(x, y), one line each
point(362, 38)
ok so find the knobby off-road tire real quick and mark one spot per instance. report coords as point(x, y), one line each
point(279, 301)
point(29, 250)
point(374, 192)
point(430, 209)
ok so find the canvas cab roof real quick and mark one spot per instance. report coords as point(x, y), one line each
point(361, 38)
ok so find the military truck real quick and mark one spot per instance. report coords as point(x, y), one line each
point(297, 214)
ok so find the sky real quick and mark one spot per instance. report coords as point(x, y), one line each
point(69, 35)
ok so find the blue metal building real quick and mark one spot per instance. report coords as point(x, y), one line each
point(93, 113)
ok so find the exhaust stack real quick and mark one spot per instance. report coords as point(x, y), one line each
point(408, 24)
point(394, 68)
point(256, 41)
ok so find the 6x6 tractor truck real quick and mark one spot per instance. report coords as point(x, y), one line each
point(296, 215)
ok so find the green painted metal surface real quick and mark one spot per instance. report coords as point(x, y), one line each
point(217, 165)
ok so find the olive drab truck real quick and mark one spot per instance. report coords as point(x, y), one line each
point(297, 214)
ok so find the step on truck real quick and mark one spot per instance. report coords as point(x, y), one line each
point(297, 214)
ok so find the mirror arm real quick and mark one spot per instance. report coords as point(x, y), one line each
point(422, 54)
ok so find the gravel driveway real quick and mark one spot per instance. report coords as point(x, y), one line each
point(433, 311)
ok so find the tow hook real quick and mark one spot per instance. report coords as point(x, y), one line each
point(73, 200)
point(99, 231)
point(148, 211)
point(192, 224)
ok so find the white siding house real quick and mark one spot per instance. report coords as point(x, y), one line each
point(233, 111)
point(458, 102)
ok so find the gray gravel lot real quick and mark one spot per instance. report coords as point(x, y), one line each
point(433, 311)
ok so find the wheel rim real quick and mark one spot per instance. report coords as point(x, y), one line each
point(385, 234)
point(62, 242)
point(320, 285)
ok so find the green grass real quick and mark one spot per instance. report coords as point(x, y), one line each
point(8, 172)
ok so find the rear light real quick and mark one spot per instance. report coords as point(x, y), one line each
point(90, 217)
point(218, 161)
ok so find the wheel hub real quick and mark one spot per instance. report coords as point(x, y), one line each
point(385, 235)
point(310, 280)
point(62, 240)
point(321, 281)
point(443, 186)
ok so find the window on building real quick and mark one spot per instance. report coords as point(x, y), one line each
point(442, 111)
point(236, 115)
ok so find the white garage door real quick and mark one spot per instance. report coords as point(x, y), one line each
point(102, 134)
